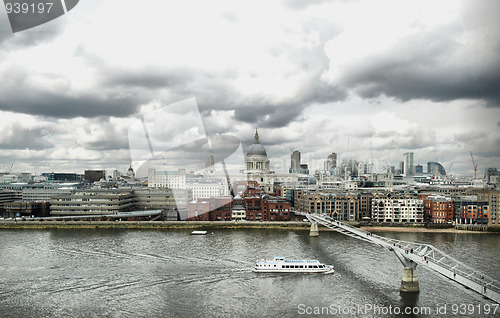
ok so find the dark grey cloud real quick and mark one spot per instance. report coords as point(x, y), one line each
point(470, 138)
point(108, 144)
point(66, 104)
point(491, 153)
point(437, 64)
point(279, 114)
point(18, 138)
point(423, 80)
point(148, 78)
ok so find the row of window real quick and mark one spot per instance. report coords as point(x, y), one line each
point(293, 266)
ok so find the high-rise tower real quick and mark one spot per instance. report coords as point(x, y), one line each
point(295, 161)
point(408, 166)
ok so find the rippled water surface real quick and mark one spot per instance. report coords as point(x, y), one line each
point(120, 273)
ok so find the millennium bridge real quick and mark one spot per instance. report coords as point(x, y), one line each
point(412, 254)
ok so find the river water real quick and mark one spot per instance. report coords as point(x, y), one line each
point(169, 273)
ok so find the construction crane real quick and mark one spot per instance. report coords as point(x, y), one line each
point(449, 168)
point(474, 164)
point(11, 166)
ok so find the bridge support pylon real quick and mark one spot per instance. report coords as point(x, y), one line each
point(409, 283)
point(314, 229)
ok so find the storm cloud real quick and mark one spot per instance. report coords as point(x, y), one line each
point(361, 78)
point(456, 58)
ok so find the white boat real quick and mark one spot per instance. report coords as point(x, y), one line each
point(281, 265)
point(199, 233)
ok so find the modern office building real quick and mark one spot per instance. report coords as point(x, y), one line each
point(295, 161)
point(26, 209)
point(61, 176)
point(332, 162)
point(296, 166)
point(408, 164)
point(431, 168)
point(401, 168)
point(162, 198)
point(491, 175)
point(92, 202)
point(7, 196)
point(94, 175)
point(44, 194)
point(419, 169)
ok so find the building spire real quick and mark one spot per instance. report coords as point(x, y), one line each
point(256, 138)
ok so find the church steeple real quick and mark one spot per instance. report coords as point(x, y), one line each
point(256, 137)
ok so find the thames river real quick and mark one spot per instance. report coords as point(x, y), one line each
point(169, 273)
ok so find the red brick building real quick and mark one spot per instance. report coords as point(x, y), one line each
point(212, 209)
point(199, 210)
point(254, 204)
point(438, 209)
point(277, 209)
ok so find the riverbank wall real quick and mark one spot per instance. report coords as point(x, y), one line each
point(211, 225)
point(195, 225)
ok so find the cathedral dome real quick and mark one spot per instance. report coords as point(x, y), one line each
point(257, 148)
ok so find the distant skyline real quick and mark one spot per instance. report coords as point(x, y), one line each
point(368, 80)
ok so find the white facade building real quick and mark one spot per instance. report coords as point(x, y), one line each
point(208, 188)
point(397, 210)
point(167, 179)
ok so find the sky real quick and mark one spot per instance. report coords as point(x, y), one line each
point(368, 80)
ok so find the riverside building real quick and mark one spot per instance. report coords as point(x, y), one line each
point(397, 210)
point(92, 202)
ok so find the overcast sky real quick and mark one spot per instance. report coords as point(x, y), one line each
point(369, 80)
